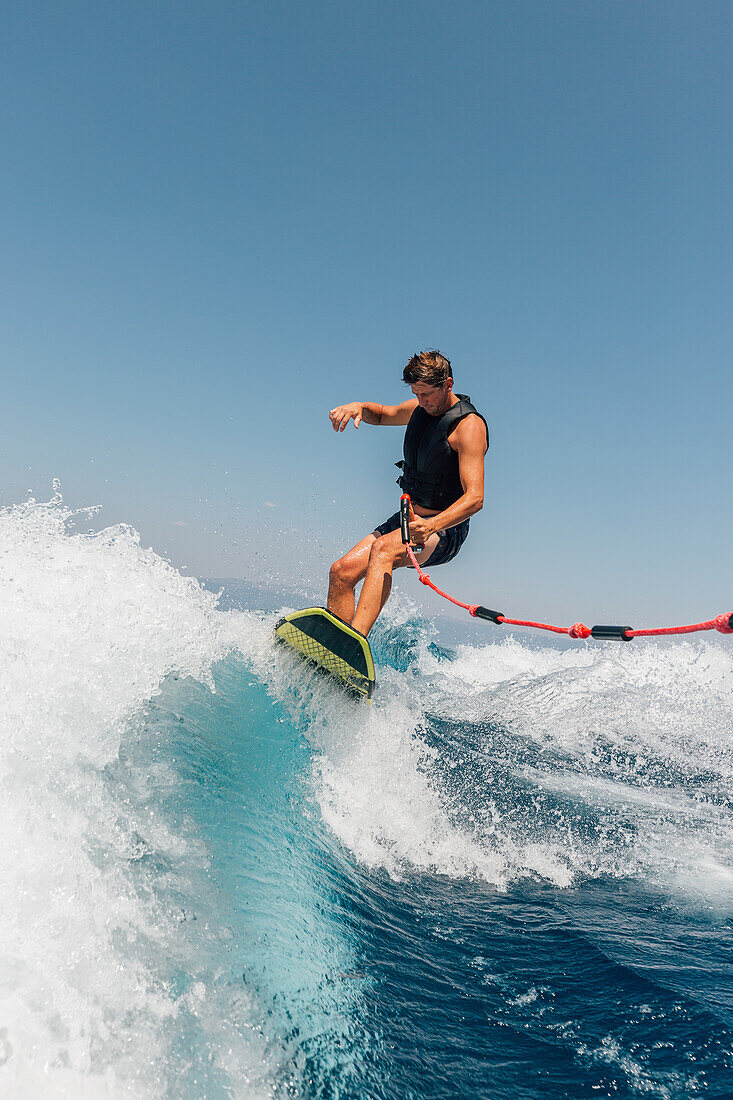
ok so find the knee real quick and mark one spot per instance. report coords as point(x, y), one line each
point(340, 572)
point(381, 550)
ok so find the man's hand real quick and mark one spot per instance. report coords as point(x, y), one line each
point(421, 528)
point(342, 414)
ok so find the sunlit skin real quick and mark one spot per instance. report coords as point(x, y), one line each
point(375, 557)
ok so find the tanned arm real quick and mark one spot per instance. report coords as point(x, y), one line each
point(371, 412)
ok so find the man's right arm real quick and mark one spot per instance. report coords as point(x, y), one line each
point(371, 412)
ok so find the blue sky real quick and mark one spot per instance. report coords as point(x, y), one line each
point(223, 219)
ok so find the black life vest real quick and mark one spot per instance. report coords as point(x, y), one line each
point(430, 466)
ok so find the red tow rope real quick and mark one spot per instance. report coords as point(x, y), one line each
point(722, 623)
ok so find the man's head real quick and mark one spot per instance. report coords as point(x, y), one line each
point(430, 378)
point(429, 367)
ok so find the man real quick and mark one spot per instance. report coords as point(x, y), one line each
point(443, 472)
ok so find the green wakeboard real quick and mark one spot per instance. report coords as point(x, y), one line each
point(327, 641)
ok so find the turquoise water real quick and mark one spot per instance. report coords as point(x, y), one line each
point(510, 876)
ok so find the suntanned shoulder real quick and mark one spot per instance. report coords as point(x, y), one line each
point(469, 432)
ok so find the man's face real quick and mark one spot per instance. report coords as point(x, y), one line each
point(433, 399)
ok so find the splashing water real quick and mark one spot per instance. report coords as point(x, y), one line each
point(223, 878)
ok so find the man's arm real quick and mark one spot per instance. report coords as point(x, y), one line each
point(371, 412)
point(468, 440)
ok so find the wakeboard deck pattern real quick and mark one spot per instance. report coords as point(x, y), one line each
point(332, 644)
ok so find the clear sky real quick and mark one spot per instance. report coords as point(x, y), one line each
point(221, 219)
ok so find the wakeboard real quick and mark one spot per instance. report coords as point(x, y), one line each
point(331, 644)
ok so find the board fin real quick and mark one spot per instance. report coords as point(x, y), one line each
point(332, 644)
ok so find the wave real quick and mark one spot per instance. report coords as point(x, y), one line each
point(504, 760)
point(92, 871)
point(178, 795)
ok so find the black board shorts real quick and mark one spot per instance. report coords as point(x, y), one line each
point(450, 540)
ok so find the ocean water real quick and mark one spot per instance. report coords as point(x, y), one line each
point(511, 876)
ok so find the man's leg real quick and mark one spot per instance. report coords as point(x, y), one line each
point(386, 554)
point(345, 575)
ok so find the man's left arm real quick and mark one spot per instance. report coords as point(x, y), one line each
point(469, 442)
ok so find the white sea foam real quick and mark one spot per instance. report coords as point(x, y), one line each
point(503, 762)
point(90, 625)
point(599, 760)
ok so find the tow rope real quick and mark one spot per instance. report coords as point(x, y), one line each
point(723, 623)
